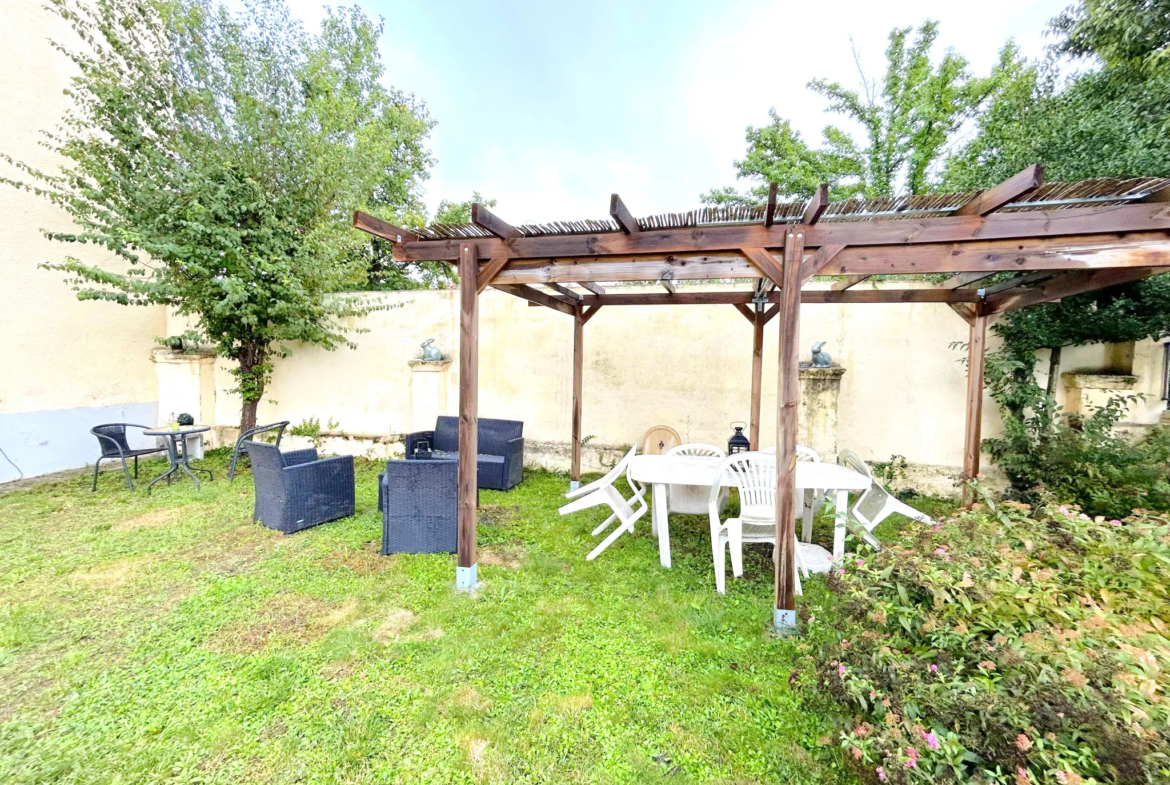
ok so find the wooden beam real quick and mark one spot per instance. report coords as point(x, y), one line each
point(909, 232)
point(972, 438)
point(379, 228)
point(748, 313)
point(667, 284)
point(682, 267)
point(962, 279)
point(569, 295)
point(816, 205)
point(587, 314)
point(591, 287)
point(1011, 189)
point(626, 221)
point(1067, 285)
point(1024, 279)
point(766, 263)
point(810, 296)
point(965, 310)
point(468, 481)
point(787, 400)
point(534, 296)
point(485, 219)
point(848, 282)
point(1050, 253)
point(771, 312)
point(812, 266)
point(770, 210)
point(578, 374)
point(757, 318)
point(489, 271)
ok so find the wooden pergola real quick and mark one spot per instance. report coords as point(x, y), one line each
point(1052, 240)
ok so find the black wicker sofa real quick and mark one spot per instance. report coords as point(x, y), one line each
point(501, 449)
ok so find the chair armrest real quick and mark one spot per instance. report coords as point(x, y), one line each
point(298, 457)
point(514, 460)
point(413, 438)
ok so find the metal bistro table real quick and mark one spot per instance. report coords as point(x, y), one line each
point(662, 471)
point(178, 452)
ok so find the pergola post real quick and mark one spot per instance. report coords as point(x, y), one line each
point(976, 348)
point(784, 610)
point(578, 373)
point(466, 574)
point(757, 375)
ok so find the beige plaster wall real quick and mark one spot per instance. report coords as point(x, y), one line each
point(57, 353)
point(689, 367)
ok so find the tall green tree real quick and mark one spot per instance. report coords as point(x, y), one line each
point(909, 118)
point(219, 155)
point(1109, 117)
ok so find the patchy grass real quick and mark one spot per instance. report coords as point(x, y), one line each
point(168, 638)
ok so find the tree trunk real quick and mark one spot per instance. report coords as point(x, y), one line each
point(1053, 370)
point(252, 377)
point(248, 415)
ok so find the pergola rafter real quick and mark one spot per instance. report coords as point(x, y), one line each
point(1057, 240)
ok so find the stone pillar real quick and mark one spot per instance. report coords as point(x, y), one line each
point(1087, 392)
point(428, 392)
point(186, 385)
point(820, 389)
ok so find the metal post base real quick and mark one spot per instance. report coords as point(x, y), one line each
point(467, 578)
point(783, 622)
point(574, 485)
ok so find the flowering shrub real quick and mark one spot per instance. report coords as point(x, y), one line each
point(1004, 646)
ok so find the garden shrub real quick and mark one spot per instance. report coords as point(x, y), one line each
point(1003, 646)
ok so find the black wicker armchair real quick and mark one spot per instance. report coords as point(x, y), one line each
point(248, 435)
point(112, 438)
point(501, 449)
point(419, 504)
point(296, 490)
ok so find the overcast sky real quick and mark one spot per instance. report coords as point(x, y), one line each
point(549, 107)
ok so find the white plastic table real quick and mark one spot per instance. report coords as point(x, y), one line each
point(662, 471)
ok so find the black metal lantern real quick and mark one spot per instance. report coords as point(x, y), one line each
point(738, 442)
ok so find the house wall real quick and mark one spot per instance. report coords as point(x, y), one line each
point(65, 365)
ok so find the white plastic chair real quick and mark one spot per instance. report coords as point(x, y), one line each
point(754, 475)
point(692, 499)
point(876, 503)
point(813, 497)
point(602, 492)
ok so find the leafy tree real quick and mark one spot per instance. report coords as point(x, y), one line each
point(1108, 122)
point(908, 120)
point(219, 155)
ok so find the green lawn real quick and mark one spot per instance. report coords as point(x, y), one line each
point(168, 638)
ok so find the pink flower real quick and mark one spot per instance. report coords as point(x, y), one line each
point(840, 670)
point(881, 773)
point(1063, 509)
point(861, 562)
point(948, 558)
point(931, 739)
point(1115, 522)
point(933, 668)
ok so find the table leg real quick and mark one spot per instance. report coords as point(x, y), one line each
point(174, 459)
point(809, 513)
point(839, 520)
point(660, 516)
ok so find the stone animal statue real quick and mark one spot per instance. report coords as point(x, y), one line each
point(430, 353)
point(820, 358)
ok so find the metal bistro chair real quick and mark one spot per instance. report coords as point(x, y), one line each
point(247, 435)
point(112, 438)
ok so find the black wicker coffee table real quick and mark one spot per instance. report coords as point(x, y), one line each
point(177, 453)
